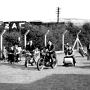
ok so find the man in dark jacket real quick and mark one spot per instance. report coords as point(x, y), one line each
point(30, 46)
point(51, 48)
point(88, 51)
point(11, 55)
point(70, 53)
point(66, 46)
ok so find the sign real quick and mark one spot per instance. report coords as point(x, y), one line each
point(14, 25)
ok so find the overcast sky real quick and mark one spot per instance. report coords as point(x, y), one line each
point(43, 10)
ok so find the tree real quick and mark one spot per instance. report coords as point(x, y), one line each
point(55, 34)
point(85, 37)
point(36, 34)
point(85, 34)
point(11, 38)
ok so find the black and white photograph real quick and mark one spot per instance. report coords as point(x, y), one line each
point(44, 45)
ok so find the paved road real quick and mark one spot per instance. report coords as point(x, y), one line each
point(17, 73)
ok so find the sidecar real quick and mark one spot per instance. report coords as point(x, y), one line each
point(68, 60)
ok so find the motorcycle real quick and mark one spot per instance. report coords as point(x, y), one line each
point(31, 58)
point(45, 60)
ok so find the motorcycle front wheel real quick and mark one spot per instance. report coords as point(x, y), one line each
point(40, 64)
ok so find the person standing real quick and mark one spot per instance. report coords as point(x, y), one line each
point(88, 52)
point(4, 52)
point(11, 55)
point(16, 52)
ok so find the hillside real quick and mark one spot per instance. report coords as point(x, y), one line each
point(75, 21)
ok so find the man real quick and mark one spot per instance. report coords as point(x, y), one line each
point(71, 54)
point(30, 47)
point(16, 52)
point(88, 51)
point(66, 46)
point(51, 48)
point(11, 55)
point(4, 51)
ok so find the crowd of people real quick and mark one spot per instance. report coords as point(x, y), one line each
point(13, 53)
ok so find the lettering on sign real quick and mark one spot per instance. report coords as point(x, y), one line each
point(7, 26)
point(14, 26)
point(21, 25)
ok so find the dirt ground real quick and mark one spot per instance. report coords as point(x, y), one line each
point(17, 77)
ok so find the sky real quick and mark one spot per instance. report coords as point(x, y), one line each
point(43, 10)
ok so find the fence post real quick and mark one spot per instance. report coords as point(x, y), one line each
point(25, 37)
point(1, 41)
point(63, 40)
point(46, 37)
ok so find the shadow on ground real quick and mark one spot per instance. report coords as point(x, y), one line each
point(53, 82)
point(20, 66)
point(83, 67)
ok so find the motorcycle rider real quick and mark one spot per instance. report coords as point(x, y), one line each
point(71, 54)
point(51, 49)
point(30, 47)
point(66, 46)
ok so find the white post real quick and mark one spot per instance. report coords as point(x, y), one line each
point(78, 33)
point(63, 40)
point(25, 38)
point(45, 41)
point(1, 36)
point(74, 44)
point(46, 37)
point(78, 40)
